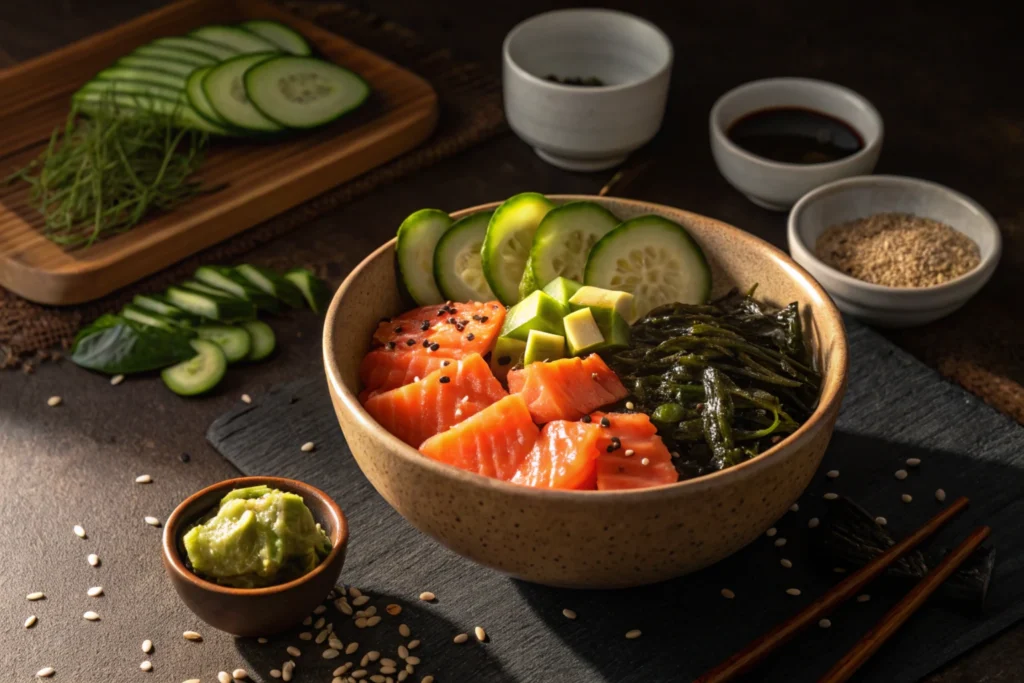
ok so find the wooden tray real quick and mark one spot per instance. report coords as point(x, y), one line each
point(261, 178)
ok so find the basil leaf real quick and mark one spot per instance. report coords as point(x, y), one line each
point(117, 346)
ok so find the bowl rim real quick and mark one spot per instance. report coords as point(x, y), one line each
point(339, 534)
point(507, 58)
point(833, 382)
point(720, 133)
point(797, 243)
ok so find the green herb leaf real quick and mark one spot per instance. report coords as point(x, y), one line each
point(116, 346)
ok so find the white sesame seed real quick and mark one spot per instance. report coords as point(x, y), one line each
point(335, 643)
point(906, 498)
point(567, 613)
point(94, 559)
point(461, 638)
point(402, 675)
point(116, 379)
point(940, 495)
point(152, 521)
point(319, 623)
point(54, 401)
point(795, 507)
point(387, 661)
point(629, 453)
point(143, 479)
point(246, 398)
point(480, 633)
point(373, 621)
point(771, 532)
point(863, 597)
point(308, 621)
point(191, 680)
point(371, 656)
point(91, 616)
point(322, 636)
point(340, 670)
point(793, 591)
point(728, 594)
point(825, 623)
point(360, 622)
point(403, 652)
point(629, 405)
point(147, 646)
point(330, 653)
point(413, 661)
point(779, 542)
point(262, 641)
point(427, 679)
point(404, 631)
point(359, 673)
point(913, 462)
point(286, 673)
point(45, 672)
point(813, 522)
point(35, 596)
point(239, 674)
point(645, 461)
point(305, 635)
point(831, 496)
point(832, 474)
point(352, 647)
point(79, 531)
point(427, 596)
point(191, 635)
point(413, 644)
point(881, 520)
point(95, 591)
point(319, 609)
point(293, 651)
point(786, 563)
point(633, 634)
point(31, 621)
point(307, 447)
point(146, 665)
point(386, 670)
point(360, 600)
point(901, 474)
point(275, 673)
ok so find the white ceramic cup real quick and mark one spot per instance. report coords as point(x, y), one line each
point(586, 128)
point(777, 185)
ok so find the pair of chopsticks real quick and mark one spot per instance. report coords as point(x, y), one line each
point(760, 648)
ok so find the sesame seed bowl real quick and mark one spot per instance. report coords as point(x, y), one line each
point(853, 199)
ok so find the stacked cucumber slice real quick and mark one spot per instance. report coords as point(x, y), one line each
point(528, 244)
point(252, 78)
point(206, 323)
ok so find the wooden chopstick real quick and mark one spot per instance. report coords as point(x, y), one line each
point(758, 649)
point(895, 617)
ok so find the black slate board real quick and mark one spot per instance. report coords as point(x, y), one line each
point(895, 408)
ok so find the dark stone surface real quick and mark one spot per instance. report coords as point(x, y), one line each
point(944, 79)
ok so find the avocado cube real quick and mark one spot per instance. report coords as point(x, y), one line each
point(543, 346)
point(562, 289)
point(614, 329)
point(582, 332)
point(539, 311)
point(595, 297)
point(507, 354)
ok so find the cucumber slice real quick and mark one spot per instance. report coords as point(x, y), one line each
point(225, 90)
point(164, 92)
point(149, 319)
point(263, 339)
point(313, 289)
point(197, 96)
point(418, 236)
point(222, 308)
point(234, 37)
point(286, 38)
point(156, 64)
point(201, 47)
point(185, 116)
point(655, 260)
point(225, 279)
point(508, 240)
point(562, 242)
point(203, 288)
point(175, 55)
point(200, 373)
point(124, 73)
point(303, 92)
point(457, 265)
point(272, 283)
point(235, 342)
point(154, 303)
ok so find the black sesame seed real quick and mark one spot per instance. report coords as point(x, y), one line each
point(605, 422)
point(391, 346)
point(470, 337)
point(483, 318)
point(477, 318)
point(451, 309)
point(435, 347)
point(425, 325)
point(585, 418)
point(442, 312)
point(426, 343)
point(445, 379)
point(398, 330)
point(504, 360)
point(446, 363)
point(487, 356)
point(184, 457)
point(451, 321)
point(410, 342)
point(612, 447)
point(460, 327)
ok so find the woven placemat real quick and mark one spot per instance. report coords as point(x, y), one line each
point(471, 111)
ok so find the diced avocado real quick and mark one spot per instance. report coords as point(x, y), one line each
point(543, 346)
point(582, 332)
point(562, 288)
point(507, 354)
point(614, 329)
point(595, 297)
point(539, 311)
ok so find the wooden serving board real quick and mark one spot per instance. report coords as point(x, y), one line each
point(258, 179)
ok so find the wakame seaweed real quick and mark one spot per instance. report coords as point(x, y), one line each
point(722, 381)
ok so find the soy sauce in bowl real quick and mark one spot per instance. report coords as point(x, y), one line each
point(795, 135)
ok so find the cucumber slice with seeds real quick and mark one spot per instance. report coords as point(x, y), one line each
point(653, 258)
point(174, 54)
point(200, 373)
point(303, 92)
point(563, 241)
point(235, 342)
point(272, 283)
point(197, 96)
point(185, 116)
point(125, 73)
point(234, 37)
point(457, 265)
point(286, 38)
point(263, 339)
point(225, 90)
point(507, 243)
point(418, 236)
point(163, 92)
point(201, 47)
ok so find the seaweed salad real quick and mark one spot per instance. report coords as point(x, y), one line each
point(723, 381)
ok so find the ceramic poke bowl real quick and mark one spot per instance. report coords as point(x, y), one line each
point(593, 539)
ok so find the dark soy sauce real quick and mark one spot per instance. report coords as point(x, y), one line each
point(794, 135)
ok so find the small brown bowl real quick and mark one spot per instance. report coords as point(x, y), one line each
point(255, 611)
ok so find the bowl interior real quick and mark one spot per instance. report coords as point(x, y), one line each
point(616, 47)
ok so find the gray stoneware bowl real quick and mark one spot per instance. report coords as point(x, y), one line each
point(852, 198)
point(592, 539)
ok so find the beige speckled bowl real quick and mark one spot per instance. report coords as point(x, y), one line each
point(592, 539)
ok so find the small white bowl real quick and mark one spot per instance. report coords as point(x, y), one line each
point(586, 128)
point(852, 198)
point(777, 185)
